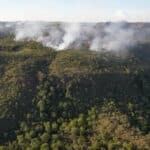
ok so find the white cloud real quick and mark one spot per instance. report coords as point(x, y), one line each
point(120, 15)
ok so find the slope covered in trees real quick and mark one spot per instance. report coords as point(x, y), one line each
point(73, 99)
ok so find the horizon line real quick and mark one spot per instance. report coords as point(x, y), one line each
point(75, 21)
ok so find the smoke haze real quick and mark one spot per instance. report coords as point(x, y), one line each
point(93, 36)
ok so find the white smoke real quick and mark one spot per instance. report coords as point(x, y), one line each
point(38, 31)
point(103, 36)
point(117, 38)
point(72, 32)
point(28, 31)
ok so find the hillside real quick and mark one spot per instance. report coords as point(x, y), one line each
point(73, 99)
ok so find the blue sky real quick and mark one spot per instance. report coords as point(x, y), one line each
point(75, 10)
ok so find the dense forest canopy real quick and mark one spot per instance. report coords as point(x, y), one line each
point(75, 99)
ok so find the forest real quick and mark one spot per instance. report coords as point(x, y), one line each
point(73, 99)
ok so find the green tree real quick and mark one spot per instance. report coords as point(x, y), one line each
point(45, 146)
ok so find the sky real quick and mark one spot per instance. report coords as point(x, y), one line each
point(75, 10)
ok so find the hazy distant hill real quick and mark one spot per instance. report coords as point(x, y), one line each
point(75, 99)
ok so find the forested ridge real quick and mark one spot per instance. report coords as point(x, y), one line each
point(73, 99)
